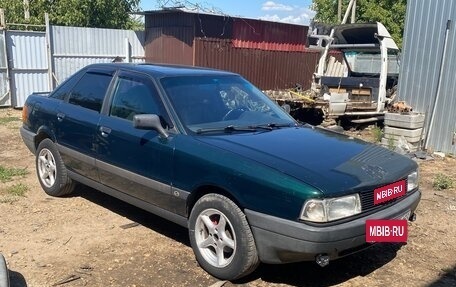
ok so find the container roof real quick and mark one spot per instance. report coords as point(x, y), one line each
point(178, 10)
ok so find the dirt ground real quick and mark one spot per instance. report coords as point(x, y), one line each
point(91, 239)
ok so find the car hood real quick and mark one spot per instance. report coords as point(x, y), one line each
point(333, 163)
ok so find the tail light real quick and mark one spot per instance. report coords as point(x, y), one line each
point(24, 114)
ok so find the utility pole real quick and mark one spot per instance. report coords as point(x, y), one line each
point(26, 10)
point(2, 19)
point(339, 11)
point(353, 15)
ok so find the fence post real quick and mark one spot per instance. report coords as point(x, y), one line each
point(127, 50)
point(6, 68)
point(6, 98)
point(50, 56)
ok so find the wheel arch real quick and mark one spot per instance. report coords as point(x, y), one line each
point(43, 133)
point(202, 190)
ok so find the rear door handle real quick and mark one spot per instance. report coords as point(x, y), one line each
point(60, 116)
point(105, 131)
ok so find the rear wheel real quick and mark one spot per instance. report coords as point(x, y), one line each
point(221, 238)
point(51, 171)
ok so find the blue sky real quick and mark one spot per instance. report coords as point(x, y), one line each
point(289, 11)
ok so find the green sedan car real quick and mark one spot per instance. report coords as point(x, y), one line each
point(209, 151)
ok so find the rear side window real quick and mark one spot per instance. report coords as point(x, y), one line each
point(90, 91)
point(64, 89)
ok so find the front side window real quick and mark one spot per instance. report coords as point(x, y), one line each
point(133, 97)
point(90, 91)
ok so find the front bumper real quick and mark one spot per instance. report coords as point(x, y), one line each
point(283, 241)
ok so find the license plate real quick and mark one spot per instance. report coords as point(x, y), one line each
point(390, 191)
point(389, 230)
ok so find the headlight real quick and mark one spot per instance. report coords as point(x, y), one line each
point(413, 181)
point(329, 209)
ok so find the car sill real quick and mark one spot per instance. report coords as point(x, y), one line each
point(181, 220)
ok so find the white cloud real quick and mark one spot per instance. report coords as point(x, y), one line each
point(301, 17)
point(272, 18)
point(272, 6)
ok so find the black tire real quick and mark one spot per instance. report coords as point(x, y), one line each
point(51, 171)
point(231, 233)
point(4, 278)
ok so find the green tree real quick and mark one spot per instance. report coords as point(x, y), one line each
point(82, 13)
point(390, 13)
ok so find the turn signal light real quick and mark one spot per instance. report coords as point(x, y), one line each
point(24, 114)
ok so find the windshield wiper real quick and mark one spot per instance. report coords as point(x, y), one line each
point(271, 126)
point(227, 129)
point(253, 128)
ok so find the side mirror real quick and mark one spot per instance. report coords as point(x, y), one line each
point(149, 122)
point(286, 108)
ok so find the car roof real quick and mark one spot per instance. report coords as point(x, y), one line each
point(163, 70)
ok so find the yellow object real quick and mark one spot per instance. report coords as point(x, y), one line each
point(306, 98)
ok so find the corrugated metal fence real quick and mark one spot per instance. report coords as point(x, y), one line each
point(284, 69)
point(74, 48)
point(428, 69)
point(27, 65)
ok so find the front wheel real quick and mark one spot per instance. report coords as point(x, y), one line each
point(221, 238)
point(4, 278)
point(51, 171)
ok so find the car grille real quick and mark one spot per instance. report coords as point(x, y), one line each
point(367, 201)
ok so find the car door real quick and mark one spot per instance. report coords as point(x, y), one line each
point(77, 120)
point(134, 161)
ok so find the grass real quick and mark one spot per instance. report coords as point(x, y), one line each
point(8, 199)
point(17, 190)
point(391, 143)
point(377, 133)
point(442, 181)
point(13, 193)
point(7, 174)
point(8, 120)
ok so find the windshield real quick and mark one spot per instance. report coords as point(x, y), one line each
point(369, 62)
point(216, 102)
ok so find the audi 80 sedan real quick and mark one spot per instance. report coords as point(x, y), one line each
point(209, 151)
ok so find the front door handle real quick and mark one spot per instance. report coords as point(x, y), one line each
point(105, 131)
